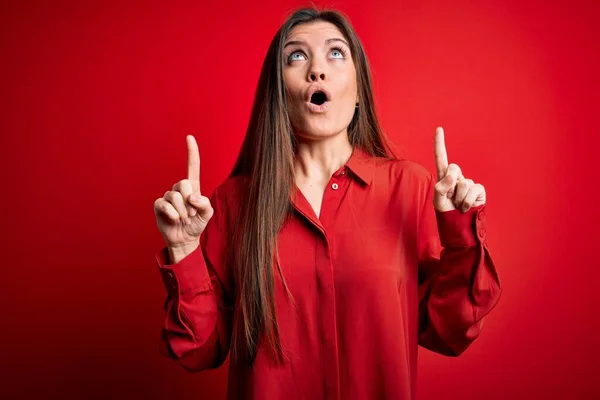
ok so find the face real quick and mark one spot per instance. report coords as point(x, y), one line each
point(320, 80)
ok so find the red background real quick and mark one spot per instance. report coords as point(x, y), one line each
point(97, 98)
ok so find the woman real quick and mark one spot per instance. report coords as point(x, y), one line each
point(325, 260)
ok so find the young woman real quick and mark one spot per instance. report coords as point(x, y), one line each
point(323, 261)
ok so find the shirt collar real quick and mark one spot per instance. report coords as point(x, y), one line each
point(362, 165)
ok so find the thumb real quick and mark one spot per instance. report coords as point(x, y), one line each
point(194, 200)
point(201, 205)
point(445, 186)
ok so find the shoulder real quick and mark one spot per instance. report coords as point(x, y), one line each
point(407, 184)
point(404, 171)
point(227, 196)
point(232, 187)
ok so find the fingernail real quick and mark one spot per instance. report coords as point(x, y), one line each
point(192, 212)
point(464, 209)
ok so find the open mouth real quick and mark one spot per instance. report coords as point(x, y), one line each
point(318, 98)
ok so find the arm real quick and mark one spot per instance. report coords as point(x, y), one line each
point(458, 281)
point(197, 327)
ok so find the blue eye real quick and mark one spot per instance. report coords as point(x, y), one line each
point(337, 54)
point(293, 57)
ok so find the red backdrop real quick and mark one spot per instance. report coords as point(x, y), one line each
point(97, 99)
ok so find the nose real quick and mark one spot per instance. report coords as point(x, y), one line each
point(315, 75)
point(316, 71)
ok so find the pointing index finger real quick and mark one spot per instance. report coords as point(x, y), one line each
point(441, 156)
point(193, 163)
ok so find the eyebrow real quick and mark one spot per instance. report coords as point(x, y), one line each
point(328, 41)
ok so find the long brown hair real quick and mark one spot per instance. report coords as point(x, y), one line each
point(267, 159)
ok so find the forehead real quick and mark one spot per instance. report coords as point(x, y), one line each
point(315, 32)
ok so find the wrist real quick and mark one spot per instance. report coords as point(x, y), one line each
point(180, 251)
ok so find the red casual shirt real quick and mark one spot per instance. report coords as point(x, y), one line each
point(377, 274)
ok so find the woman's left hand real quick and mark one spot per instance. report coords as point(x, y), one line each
point(452, 190)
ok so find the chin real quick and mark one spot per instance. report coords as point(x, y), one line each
point(319, 130)
point(316, 134)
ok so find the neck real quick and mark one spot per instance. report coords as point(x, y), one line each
point(317, 160)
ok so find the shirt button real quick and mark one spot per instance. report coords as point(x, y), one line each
point(170, 275)
point(482, 233)
point(334, 186)
point(480, 216)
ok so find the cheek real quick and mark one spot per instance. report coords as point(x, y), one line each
point(347, 104)
point(348, 91)
point(348, 86)
point(292, 79)
point(293, 95)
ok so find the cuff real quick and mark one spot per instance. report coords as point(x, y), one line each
point(458, 229)
point(188, 274)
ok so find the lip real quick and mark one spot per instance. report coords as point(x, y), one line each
point(317, 88)
point(316, 108)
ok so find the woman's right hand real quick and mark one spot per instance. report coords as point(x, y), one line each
point(182, 213)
